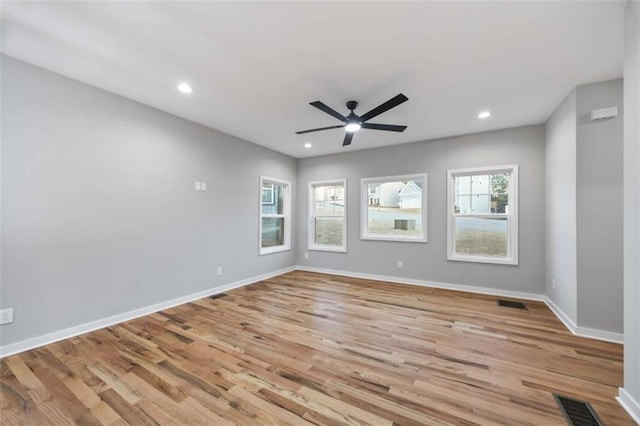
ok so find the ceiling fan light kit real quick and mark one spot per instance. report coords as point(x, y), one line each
point(353, 127)
point(353, 122)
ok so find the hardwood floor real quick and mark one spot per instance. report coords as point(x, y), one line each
point(306, 348)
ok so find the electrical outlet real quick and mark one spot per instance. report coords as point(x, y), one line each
point(197, 186)
point(306, 255)
point(203, 186)
point(400, 264)
point(6, 316)
point(553, 283)
point(219, 270)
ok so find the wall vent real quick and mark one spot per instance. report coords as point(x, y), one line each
point(604, 113)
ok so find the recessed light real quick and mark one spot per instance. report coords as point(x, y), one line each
point(307, 145)
point(185, 88)
point(484, 114)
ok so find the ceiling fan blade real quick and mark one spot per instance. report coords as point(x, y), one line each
point(347, 139)
point(317, 130)
point(391, 103)
point(388, 127)
point(328, 110)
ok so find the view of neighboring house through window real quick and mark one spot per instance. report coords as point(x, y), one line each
point(482, 219)
point(395, 208)
point(275, 212)
point(327, 216)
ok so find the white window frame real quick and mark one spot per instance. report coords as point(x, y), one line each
point(511, 216)
point(286, 214)
point(312, 217)
point(364, 205)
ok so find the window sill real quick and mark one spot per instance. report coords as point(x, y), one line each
point(327, 248)
point(275, 249)
point(396, 239)
point(481, 259)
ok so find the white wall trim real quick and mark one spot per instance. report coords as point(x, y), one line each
point(431, 284)
point(590, 333)
point(629, 404)
point(568, 322)
point(45, 339)
point(607, 336)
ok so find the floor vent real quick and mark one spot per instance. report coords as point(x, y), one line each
point(218, 296)
point(512, 304)
point(577, 413)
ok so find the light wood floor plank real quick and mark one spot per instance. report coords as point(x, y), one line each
point(307, 348)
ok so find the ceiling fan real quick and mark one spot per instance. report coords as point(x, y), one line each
point(353, 122)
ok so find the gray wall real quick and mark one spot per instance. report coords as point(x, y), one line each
point(599, 213)
point(583, 192)
point(632, 202)
point(524, 146)
point(99, 212)
point(560, 207)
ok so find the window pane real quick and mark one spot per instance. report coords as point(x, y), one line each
point(463, 185)
point(395, 209)
point(463, 204)
point(272, 231)
point(482, 237)
point(500, 193)
point(480, 204)
point(327, 214)
point(482, 194)
point(267, 193)
point(272, 198)
point(329, 200)
point(480, 184)
point(329, 231)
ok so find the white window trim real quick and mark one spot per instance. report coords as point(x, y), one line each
point(512, 216)
point(311, 215)
point(364, 204)
point(286, 214)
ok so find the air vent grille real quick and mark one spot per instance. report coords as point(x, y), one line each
point(577, 413)
point(218, 296)
point(512, 304)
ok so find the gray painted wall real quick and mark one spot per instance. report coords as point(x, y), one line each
point(632, 201)
point(560, 207)
point(524, 146)
point(599, 213)
point(583, 192)
point(99, 212)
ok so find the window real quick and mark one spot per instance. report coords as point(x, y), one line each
point(327, 215)
point(275, 215)
point(482, 215)
point(394, 208)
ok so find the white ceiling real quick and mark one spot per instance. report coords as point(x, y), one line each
point(255, 66)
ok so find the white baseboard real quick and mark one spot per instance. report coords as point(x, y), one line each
point(590, 333)
point(628, 403)
point(568, 322)
point(45, 339)
point(432, 284)
point(607, 336)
